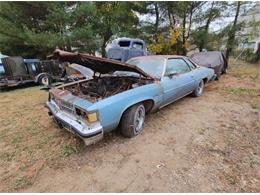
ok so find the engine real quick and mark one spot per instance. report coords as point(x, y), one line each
point(102, 87)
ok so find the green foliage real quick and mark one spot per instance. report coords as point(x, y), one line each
point(113, 18)
point(35, 29)
point(32, 28)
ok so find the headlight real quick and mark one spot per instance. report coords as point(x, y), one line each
point(92, 117)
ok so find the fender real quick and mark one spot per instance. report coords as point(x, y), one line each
point(112, 108)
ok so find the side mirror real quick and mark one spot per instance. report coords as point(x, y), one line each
point(172, 73)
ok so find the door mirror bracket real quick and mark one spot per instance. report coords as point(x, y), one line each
point(172, 74)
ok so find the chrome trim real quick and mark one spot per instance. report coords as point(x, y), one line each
point(81, 128)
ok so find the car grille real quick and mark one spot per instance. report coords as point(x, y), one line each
point(67, 107)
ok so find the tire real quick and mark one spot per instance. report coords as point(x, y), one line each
point(224, 71)
point(199, 90)
point(45, 80)
point(132, 121)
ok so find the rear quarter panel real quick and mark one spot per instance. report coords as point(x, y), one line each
point(202, 73)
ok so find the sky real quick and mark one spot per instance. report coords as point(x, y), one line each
point(216, 25)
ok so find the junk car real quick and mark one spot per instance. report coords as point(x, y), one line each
point(121, 94)
point(123, 49)
point(212, 59)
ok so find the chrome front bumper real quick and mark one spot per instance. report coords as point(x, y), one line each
point(89, 134)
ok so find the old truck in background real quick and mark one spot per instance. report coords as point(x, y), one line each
point(122, 49)
point(17, 71)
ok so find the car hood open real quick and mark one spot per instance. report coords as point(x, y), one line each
point(97, 64)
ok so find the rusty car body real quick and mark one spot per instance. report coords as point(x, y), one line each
point(120, 94)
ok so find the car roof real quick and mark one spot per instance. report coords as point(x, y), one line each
point(159, 57)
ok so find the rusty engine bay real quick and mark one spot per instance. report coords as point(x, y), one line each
point(100, 88)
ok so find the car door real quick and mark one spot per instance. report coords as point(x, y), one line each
point(178, 80)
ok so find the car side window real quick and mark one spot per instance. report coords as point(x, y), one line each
point(190, 64)
point(176, 65)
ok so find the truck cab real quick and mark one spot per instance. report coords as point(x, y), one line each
point(124, 48)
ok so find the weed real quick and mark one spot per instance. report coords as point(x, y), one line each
point(255, 104)
point(7, 157)
point(67, 150)
point(17, 139)
point(254, 160)
point(201, 131)
point(21, 182)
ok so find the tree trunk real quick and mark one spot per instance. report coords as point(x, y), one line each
point(104, 43)
point(103, 49)
point(156, 22)
point(206, 29)
point(183, 35)
point(232, 33)
point(190, 20)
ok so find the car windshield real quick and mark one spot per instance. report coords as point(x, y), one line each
point(153, 67)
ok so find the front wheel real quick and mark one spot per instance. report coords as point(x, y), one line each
point(132, 122)
point(199, 90)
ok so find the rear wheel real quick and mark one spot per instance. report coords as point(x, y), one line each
point(224, 71)
point(45, 80)
point(199, 90)
point(132, 122)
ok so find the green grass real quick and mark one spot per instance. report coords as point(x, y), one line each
point(22, 181)
point(69, 149)
point(240, 90)
point(250, 95)
point(7, 157)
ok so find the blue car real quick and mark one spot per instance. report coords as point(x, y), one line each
point(120, 94)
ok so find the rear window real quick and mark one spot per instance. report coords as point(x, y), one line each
point(124, 43)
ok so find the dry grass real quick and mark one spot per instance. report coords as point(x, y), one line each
point(243, 83)
point(28, 137)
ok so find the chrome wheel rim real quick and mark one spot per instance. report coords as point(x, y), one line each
point(139, 119)
point(200, 88)
point(45, 80)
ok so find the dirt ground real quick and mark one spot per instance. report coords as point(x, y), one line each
point(205, 144)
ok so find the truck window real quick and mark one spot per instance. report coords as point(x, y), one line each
point(124, 43)
point(33, 68)
point(2, 70)
point(137, 45)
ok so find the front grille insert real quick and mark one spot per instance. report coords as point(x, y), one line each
point(66, 106)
